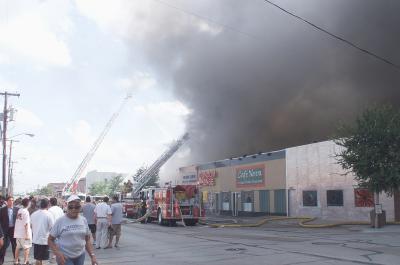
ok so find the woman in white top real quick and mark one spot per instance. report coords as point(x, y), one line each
point(23, 232)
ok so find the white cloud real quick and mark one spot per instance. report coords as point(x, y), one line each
point(34, 31)
point(207, 28)
point(26, 118)
point(81, 133)
point(110, 16)
point(139, 80)
point(141, 19)
point(164, 109)
point(5, 85)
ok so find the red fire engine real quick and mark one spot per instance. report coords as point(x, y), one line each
point(171, 204)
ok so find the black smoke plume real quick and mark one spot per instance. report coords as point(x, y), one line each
point(257, 79)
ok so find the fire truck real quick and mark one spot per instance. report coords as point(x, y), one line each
point(171, 204)
point(131, 208)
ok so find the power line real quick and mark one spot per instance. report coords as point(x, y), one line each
point(335, 36)
point(289, 13)
point(206, 19)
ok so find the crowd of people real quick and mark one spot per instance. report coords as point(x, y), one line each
point(56, 234)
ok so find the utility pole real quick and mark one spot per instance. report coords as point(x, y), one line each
point(9, 185)
point(5, 117)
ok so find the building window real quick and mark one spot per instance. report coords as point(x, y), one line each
point(334, 197)
point(363, 198)
point(247, 200)
point(310, 198)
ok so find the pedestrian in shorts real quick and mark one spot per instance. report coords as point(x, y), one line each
point(42, 221)
point(116, 220)
point(23, 232)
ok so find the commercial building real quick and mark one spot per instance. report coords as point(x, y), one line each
point(298, 181)
point(97, 176)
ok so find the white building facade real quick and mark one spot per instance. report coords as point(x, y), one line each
point(318, 186)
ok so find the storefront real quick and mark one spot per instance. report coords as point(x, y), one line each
point(247, 185)
point(305, 179)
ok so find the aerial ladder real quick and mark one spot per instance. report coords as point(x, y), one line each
point(146, 175)
point(72, 185)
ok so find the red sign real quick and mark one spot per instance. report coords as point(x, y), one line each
point(207, 178)
point(363, 198)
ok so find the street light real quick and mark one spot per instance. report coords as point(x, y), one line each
point(9, 161)
point(27, 134)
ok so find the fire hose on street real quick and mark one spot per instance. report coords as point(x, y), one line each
point(303, 222)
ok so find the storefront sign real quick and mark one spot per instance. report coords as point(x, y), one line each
point(189, 179)
point(252, 176)
point(207, 178)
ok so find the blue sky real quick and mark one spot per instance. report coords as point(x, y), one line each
point(73, 69)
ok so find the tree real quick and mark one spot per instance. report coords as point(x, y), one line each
point(114, 185)
point(154, 180)
point(45, 191)
point(372, 149)
point(99, 188)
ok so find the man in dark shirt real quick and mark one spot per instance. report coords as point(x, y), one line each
point(8, 215)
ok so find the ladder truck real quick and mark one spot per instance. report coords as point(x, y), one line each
point(72, 185)
point(132, 205)
point(146, 175)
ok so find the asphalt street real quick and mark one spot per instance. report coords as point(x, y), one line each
point(274, 243)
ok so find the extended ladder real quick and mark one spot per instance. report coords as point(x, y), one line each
point(146, 175)
point(72, 185)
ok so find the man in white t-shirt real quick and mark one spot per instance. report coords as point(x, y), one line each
point(23, 232)
point(102, 215)
point(42, 221)
point(55, 210)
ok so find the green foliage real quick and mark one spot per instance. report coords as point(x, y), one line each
point(99, 188)
point(114, 185)
point(45, 191)
point(372, 149)
point(107, 187)
point(154, 180)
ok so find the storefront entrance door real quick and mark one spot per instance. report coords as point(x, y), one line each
point(235, 203)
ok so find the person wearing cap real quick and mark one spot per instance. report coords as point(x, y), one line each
point(73, 236)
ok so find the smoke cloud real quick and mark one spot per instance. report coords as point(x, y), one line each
point(257, 79)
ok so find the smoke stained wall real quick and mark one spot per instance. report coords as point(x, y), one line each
point(260, 80)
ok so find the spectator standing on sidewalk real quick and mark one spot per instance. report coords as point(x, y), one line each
point(8, 215)
point(55, 210)
point(73, 236)
point(23, 232)
point(88, 213)
point(42, 221)
point(32, 206)
point(116, 220)
point(56, 213)
point(102, 213)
